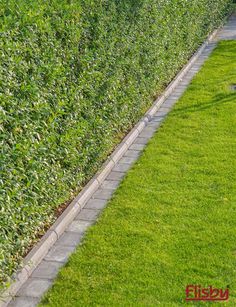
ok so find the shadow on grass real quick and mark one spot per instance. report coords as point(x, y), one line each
point(219, 99)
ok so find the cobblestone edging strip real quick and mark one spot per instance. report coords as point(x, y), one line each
point(45, 259)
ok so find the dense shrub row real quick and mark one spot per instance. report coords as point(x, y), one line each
point(74, 77)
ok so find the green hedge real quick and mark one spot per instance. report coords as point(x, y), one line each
point(75, 75)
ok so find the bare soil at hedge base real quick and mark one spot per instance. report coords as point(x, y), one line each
point(60, 117)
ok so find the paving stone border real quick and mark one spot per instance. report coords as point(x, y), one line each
point(51, 253)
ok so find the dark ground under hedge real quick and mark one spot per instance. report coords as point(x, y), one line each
point(75, 75)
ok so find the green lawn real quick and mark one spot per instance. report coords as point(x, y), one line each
point(172, 222)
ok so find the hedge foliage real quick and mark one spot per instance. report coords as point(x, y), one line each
point(75, 75)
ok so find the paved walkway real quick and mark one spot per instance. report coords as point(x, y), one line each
point(41, 279)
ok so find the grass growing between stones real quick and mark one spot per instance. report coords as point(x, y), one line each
point(172, 221)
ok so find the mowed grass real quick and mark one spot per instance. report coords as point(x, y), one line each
point(172, 222)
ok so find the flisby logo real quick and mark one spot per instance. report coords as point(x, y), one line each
point(197, 293)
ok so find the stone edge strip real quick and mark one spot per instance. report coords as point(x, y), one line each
point(36, 255)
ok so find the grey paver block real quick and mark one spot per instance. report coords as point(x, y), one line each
point(189, 78)
point(59, 253)
point(103, 194)
point(24, 302)
point(154, 124)
point(162, 112)
point(170, 103)
point(174, 95)
point(128, 160)
point(181, 87)
point(97, 204)
point(69, 238)
point(122, 167)
point(204, 56)
point(206, 52)
point(164, 108)
point(157, 118)
point(110, 184)
point(199, 62)
point(150, 128)
point(195, 66)
point(88, 215)
point(34, 287)
point(170, 98)
point(190, 74)
point(79, 226)
point(185, 82)
point(140, 140)
point(132, 153)
point(47, 269)
point(115, 175)
point(138, 147)
point(193, 70)
point(147, 133)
